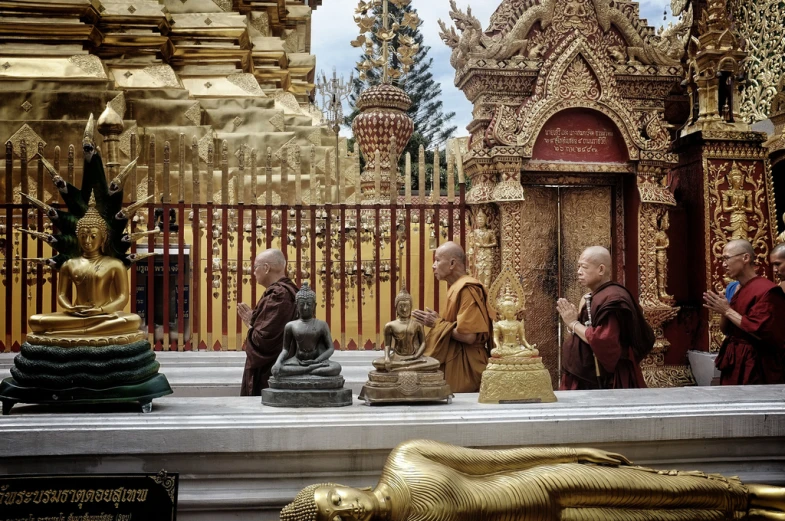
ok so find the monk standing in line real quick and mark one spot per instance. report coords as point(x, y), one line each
point(267, 320)
point(608, 335)
point(459, 336)
point(777, 259)
point(752, 353)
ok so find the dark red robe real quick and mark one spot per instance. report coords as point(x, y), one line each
point(265, 336)
point(619, 338)
point(753, 353)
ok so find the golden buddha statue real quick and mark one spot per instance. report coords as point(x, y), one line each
point(102, 292)
point(404, 341)
point(509, 335)
point(403, 374)
point(426, 480)
point(515, 372)
point(92, 350)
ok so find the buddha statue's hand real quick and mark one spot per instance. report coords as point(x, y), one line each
point(88, 311)
point(601, 457)
point(315, 363)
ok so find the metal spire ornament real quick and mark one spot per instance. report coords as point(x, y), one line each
point(379, 55)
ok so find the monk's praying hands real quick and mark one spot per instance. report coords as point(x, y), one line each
point(427, 318)
point(567, 310)
point(715, 302)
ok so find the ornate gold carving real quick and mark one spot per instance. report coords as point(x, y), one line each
point(225, 5)
point(738, 203)
point(246, 81)
point(69, 341)
point(118, 104)
point(90, 64)
point(261, 22)
point(484, 247)
point(761, 23)
point(578, 82)
point(164, 74)
point(194, 114)
point(31, 139)
point(728, 208)
point(661, 243)
point(125, 140)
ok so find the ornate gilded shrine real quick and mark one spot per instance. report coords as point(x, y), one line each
point(576, 104)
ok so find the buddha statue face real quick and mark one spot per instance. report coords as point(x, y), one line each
point(91, 232)
point(339, 503)
point(306, 306)
point(403, 308)
point(507, 308)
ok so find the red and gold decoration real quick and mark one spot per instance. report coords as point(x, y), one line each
point(383, 126)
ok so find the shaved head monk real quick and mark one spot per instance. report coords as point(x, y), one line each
point(752, 353)
point(267, 320)
point(607, 334)
point(777, 259)
point(459, 337)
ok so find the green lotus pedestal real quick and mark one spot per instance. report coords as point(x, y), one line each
point(53, 375)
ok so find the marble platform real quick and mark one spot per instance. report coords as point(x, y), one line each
point(239, 460)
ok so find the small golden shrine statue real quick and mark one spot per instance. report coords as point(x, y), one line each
point(515, 372)
point(404, 374)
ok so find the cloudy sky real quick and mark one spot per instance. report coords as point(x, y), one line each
point(333, 28)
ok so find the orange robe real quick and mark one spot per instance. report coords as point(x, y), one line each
point(466, 311)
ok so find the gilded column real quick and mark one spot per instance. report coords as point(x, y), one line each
point(656, 201)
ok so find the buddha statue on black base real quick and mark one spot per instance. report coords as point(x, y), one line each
point(304, 375)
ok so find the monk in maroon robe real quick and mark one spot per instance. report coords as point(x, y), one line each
point(608, 336)
point(753, 322)
point(267, 320)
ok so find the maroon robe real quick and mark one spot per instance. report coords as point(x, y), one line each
point(619, 338)
point(264, 343)
point(753, 353)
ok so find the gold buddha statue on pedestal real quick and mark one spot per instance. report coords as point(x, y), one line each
point(515, 372)
point(93, 350)
point(95, 316)
point(403, 374)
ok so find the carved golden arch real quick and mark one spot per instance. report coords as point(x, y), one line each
point(551, 103)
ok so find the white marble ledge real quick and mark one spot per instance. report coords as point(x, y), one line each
point(243, 425)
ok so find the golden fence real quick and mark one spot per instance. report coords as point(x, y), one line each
point(216, 217)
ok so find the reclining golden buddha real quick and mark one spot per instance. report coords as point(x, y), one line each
point(430, 481)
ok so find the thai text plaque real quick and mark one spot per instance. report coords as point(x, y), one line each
point(89, 497)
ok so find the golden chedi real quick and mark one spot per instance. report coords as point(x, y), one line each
point(403, 374)
point(93, 350)
point(426, 480)
point(515, 372)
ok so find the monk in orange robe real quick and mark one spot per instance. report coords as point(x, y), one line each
point(754, 348)
point(607, 339)
point(459, 337)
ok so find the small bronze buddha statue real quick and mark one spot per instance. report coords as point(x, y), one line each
point(304, 375)
point(403, 374)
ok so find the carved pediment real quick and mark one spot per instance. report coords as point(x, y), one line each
point(579, 81)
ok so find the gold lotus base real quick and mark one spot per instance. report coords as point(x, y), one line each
point(74, 341)
point(405, 386)
point(516, 380)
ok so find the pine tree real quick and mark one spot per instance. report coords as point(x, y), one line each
point(432, 127)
